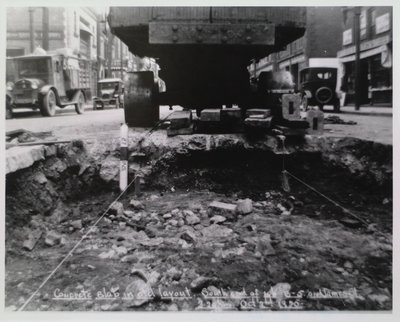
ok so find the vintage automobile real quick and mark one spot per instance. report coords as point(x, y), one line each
point(111, 92)
point(318, 87)
point(48, 80)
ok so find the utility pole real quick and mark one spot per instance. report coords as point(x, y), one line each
point(110, 42)
point(31, 30)
point(357, 87)
point(121, 56)
point(45, 28)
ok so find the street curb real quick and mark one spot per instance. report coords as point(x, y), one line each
point(365, 113)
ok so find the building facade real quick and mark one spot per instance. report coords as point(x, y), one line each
point(82, 30)
point(375, 55)
point(52, 28)
point(319, 45)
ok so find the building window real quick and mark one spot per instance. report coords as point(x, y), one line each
point(372, 17)
point(363, 24)
point(15, 52)
point(84, 45)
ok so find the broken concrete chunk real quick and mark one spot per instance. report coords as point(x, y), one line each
point(77, 224)
point(107, 255)
point(152, 242)
point(52, 238)
point(188, 236)
point(120, 250)
point(221, 208)
point(60, 213)
point(244, 206)
point(167, 216)
point(136, 204)
point(200, 283)
point(190, 218)
point(117, 209)
point(23, 157)
point(216, 231)
point(32, 240)
point(40, 178)
point(174, 274)
point(264, 245)
point(217, 219)
point(138, 292)
point(109, 170)
point(129, 213)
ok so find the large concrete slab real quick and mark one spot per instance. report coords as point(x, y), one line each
point(18, 158)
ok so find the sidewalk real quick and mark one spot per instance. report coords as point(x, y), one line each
point(367, 110)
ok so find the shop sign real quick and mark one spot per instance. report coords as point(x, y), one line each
point(347, 36)
point(365, 45)
point(382, 23)
point(23, 35)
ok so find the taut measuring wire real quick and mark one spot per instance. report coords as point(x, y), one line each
point(286, 187)
point(90, 229)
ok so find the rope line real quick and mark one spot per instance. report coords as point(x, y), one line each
point(91, 228)
point(327, 198)
point(75, 247)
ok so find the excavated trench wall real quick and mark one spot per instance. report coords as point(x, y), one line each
point(215, 162)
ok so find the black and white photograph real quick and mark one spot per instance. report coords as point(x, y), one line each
point(199, 159)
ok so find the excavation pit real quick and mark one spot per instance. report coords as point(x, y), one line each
point(167, 250)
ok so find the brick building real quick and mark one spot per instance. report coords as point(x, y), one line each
point(319, 44)
point(375, 54)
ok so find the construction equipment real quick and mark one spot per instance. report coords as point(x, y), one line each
point(203, 52)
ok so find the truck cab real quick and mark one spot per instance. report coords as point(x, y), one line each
point(49, 80)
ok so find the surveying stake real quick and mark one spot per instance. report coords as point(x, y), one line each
point(123, 163)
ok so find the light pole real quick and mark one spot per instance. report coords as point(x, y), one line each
point(31, 31)
point(357, 87)
point(45, 28)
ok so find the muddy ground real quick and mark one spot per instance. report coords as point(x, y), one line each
point(166, 249)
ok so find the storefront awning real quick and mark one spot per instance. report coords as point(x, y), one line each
point(85, 28)
point(364, 54)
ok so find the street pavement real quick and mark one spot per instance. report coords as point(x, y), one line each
point(373, 123)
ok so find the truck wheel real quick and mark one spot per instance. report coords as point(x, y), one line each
point(48, 104)
point(80, 106)
point(9, 109)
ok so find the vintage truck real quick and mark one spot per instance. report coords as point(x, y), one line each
point(203, 53)
point(48, 80)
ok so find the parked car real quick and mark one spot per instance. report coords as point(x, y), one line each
point(318, 87)
point(111, 92)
